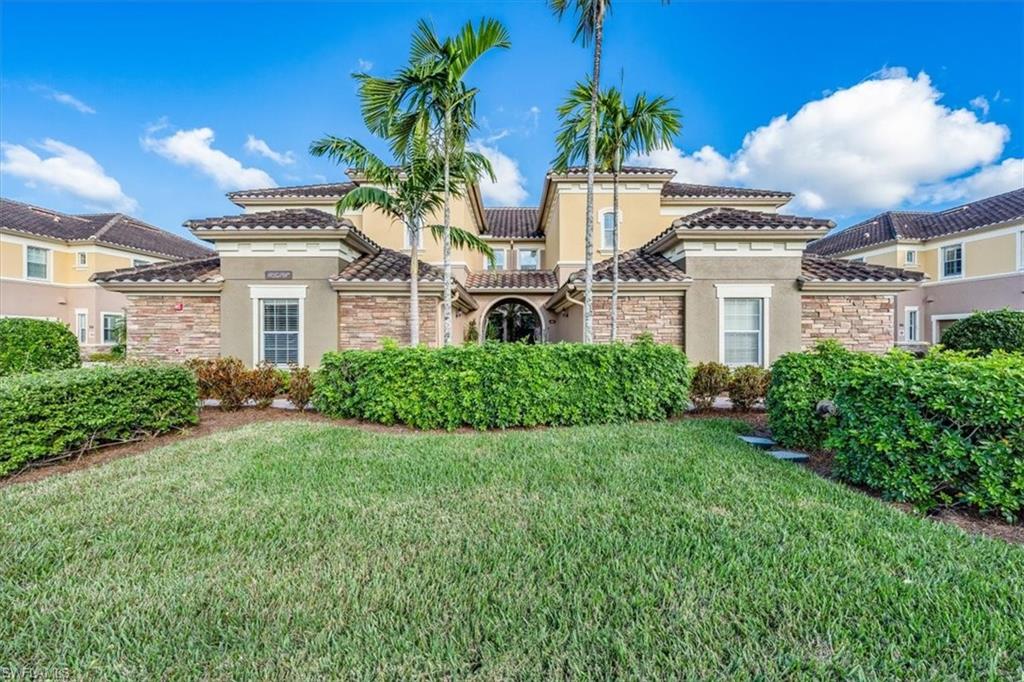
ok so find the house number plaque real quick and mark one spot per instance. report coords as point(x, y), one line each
point(277, 274)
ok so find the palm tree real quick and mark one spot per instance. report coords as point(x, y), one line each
point(407, 192)
point(589, 27)
point(649, 124)
point(430, 94)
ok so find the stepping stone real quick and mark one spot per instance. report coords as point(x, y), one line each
point(789, 455)
point(758, 442)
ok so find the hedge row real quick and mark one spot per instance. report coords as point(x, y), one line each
point(504, 385)
point(987, 331)
point(49, 413)
point(945, 429)
point(28, 345)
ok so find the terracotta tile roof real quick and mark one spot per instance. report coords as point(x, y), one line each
point(893, 225)
point(543, 280)
point(626, 170)
point(110, 229)
point(816, 268)
point(195, 270)
point(637, 265)
point(738, 219)
point(287, 219)
point(385, 266)
point(513, 222)
point(686, 190)
point(325, 190)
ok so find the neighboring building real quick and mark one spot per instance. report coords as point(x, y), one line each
point(716, 271)
point(972, 256)
point(47, 259)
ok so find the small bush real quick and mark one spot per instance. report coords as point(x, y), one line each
point(799, 382)
point(223, 379)
point(710, 380)
point(105, 357)
point(47, 414)
point(944, 430)
point(262, 384)
point(987, 331)
point(747, 385)
point(300, 387)
point(499, 385)
point(36, 345)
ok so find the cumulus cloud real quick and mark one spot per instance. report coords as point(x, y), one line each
point(981, 104)
point(257, 146)
point(68, 169)
point(364, 65)
point(509, 187)
point(194, 149)
point(991, 180)
point(66, 99)
point(871, 146)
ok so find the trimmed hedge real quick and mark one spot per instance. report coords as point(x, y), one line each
point(947, 429)
point(799, 382)
point(35, 345)
point(987, 331)
point(499, 385)
point(49, 413)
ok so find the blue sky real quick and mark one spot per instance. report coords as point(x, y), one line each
point(857, 107)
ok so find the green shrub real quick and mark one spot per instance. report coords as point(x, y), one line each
point(102, 356)
point(799, 382)
point(501, 385)
point(36, 345)
point(987, 332)
point(747, 385)
point(710, 380)
point(300, 387)
point(947, 429)
point(49, 413)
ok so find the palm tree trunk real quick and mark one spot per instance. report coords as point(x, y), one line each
point(414, 287)
point(588, 235)
point(447, 239)
point(615, 252)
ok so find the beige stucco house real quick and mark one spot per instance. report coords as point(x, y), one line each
point(47, 259)
point(720, 272)
point(972, 257)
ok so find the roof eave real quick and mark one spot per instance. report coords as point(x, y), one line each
point(860, 287)
point(162, 287)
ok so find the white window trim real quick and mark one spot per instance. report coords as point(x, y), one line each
point(600, 222)
point(944, 318)
point(81, 260)
point(906, 324)
point(761, 291)
point(942, 261)
point(49, 264)
point(519, 256)
point(907, 260)
point(103, 316)
point(262, 291)
point(78, 335)
point(492, 268)
point(1020, 251)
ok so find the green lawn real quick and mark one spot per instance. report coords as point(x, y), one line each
point(295, 549)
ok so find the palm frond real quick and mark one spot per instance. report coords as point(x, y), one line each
point(463, 239)
point(363, 196)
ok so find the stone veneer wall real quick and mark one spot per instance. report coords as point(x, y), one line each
point(363, 321)
point(661, 316)
point(858, 322)
point(157, 330)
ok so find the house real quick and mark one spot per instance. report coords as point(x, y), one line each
point(47, 259)
point(972, 256)
point(717, 271)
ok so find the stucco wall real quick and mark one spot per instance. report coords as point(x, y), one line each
point(158, 330)
point(364, 321)
point(858, 322)
point(961, 297)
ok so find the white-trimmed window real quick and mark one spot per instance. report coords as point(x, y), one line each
point(139, 262)
point(277, 323)
point(499, 260)
point(529, 259)
point(743, 323)
point(1020, 250)
point(910, 258)
point(82, 325)
point(951, 265)
point(608, 229)
point(81, 259)
point(111, 322)
point(858, 259)
point(911, 324)
point(37, 262)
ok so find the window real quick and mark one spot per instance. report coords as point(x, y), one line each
point(139, 262)
point(743, 331)
point(911, 325)
point(607, 230)
point(529, 259)
point(83, 259)
point(952, 261)
point(499, 261)
point(911, 256)
point(858, 259)
point(36, 262)
point(1020, 250)
point(279, 330)
point(111, 324)
point(82, 325)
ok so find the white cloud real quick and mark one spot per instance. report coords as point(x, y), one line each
point(68, 169)
point(990, 180)
point(509, 187)
point(257, 146)
point(872, 146)
point(66, 99)
point(981, 104)
point(363, 65)
point(193, 148)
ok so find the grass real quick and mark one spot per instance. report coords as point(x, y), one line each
point(294, 549)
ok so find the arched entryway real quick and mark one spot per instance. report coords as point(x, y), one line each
point(512, 320)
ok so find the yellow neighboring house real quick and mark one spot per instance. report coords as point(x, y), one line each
point(47, 258)
point(972, 256)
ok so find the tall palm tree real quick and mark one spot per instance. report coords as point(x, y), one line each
point(590, 16)
point(407, 192)
point(623, 131)
point(430, 94)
